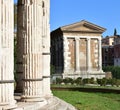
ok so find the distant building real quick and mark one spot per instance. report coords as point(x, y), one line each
point(108, 51)
point(76, 50)
point(109, 40)
point(117, 51)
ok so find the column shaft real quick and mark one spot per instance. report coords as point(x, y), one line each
point(77, 55)
point(88, 55)
point(100, 55)
point(46, 48)
point(65, 54)
point(31, 36)
point(6, 55)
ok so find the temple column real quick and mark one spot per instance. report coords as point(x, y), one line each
point(6, 55)
point(99, 55)
point(88, 55)
point(46, 48)
point(77, 55)
point(65, 54)
point(31, 37)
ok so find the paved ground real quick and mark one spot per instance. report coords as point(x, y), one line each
point(52, 103)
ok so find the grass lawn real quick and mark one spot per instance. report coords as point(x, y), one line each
point(90, 101)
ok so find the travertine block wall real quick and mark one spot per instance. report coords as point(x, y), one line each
point(83, 53)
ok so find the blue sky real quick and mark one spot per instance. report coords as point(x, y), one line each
point(104, 13)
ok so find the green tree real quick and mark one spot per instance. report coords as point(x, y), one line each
point(115, 32)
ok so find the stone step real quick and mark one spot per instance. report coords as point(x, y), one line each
point(58, 104)
point(52, 103)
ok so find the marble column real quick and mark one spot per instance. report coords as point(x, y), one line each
point(31, 37)
point(88, 55)
point(99, 55)
point(77, 55)
point(46, 48)
point(65, 54)
point(6, 55)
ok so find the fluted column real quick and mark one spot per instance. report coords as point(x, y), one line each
point(46, 48)
point(6, 55)
point(88, 55)
point(77, 55)
point(99, 55)
point(31, 35)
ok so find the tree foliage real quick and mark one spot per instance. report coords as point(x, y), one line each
point(115, 32)
point(114, 69)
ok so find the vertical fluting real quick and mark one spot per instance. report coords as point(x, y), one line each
point(6, 55)
point(77, 57)
point(30, 35)
point(100, 55)
point(46, 47)
point(89, 55)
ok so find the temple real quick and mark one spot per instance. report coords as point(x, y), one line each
point(76, 50)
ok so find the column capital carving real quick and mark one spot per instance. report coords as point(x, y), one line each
point(77, 38)
point(99, 39)
point(64, 38)
point(88, 38)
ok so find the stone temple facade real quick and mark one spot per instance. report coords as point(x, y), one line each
point(76, 50)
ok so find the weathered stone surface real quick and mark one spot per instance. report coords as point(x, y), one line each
point(6, 55)
point(33, 49)
point(51, 103)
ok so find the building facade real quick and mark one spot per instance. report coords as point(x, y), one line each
point(117, 51)
point(108, 51)
point(76, 50)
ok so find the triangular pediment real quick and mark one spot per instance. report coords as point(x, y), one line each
point(83, 26)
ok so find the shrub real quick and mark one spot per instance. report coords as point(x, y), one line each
point(118, 82)
point(59, 80)
point(68, 80)
point(102, 82)
point(78, 81)
point(113, 81)
point(86, 81)
point(99, 81)
point(92, 81)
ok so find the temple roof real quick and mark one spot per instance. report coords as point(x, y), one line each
point(83, 26)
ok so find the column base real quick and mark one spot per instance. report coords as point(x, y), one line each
point(8, 106)
point(78, 71)
point(101, 71)
point(50, 95)
point(32, 99)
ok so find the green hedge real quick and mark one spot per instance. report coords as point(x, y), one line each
point(80, 81)
point(114, 69)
